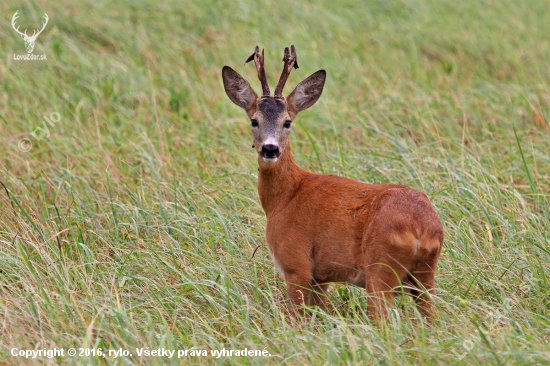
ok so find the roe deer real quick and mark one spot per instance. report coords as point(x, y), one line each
point(324, 228)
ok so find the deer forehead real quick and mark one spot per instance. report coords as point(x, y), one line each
point(272, 109)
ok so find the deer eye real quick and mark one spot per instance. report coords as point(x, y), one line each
point(287, 124)
point(254, 123)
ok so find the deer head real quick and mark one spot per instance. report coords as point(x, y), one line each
point(271, 117)
point(29, 40)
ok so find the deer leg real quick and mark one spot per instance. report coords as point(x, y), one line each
point(318, 295)
point(298, 287)
point(424, 280)
point(381, 280)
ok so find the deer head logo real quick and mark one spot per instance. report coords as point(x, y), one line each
point(29, 40)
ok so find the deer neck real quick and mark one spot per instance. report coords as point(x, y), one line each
point(278, 181)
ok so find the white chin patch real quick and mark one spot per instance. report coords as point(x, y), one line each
point(269, 160)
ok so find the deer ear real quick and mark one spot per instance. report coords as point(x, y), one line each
point(307, 92)
point(238, 89)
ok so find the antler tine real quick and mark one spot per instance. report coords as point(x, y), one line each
point(259, 62)
point(13, 19)
point(44, 23)
point(291, 61)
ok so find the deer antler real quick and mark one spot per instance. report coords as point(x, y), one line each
point(13, 19)
point(259, 62)
point(291, 61)
point(24, 34)
point(43, 25)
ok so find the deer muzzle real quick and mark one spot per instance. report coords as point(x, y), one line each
point(270, 152)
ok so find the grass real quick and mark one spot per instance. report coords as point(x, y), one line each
point(134, 223)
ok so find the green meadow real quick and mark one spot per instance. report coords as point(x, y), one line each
point(132, 220)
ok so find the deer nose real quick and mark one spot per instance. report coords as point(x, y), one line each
point(270, 151)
